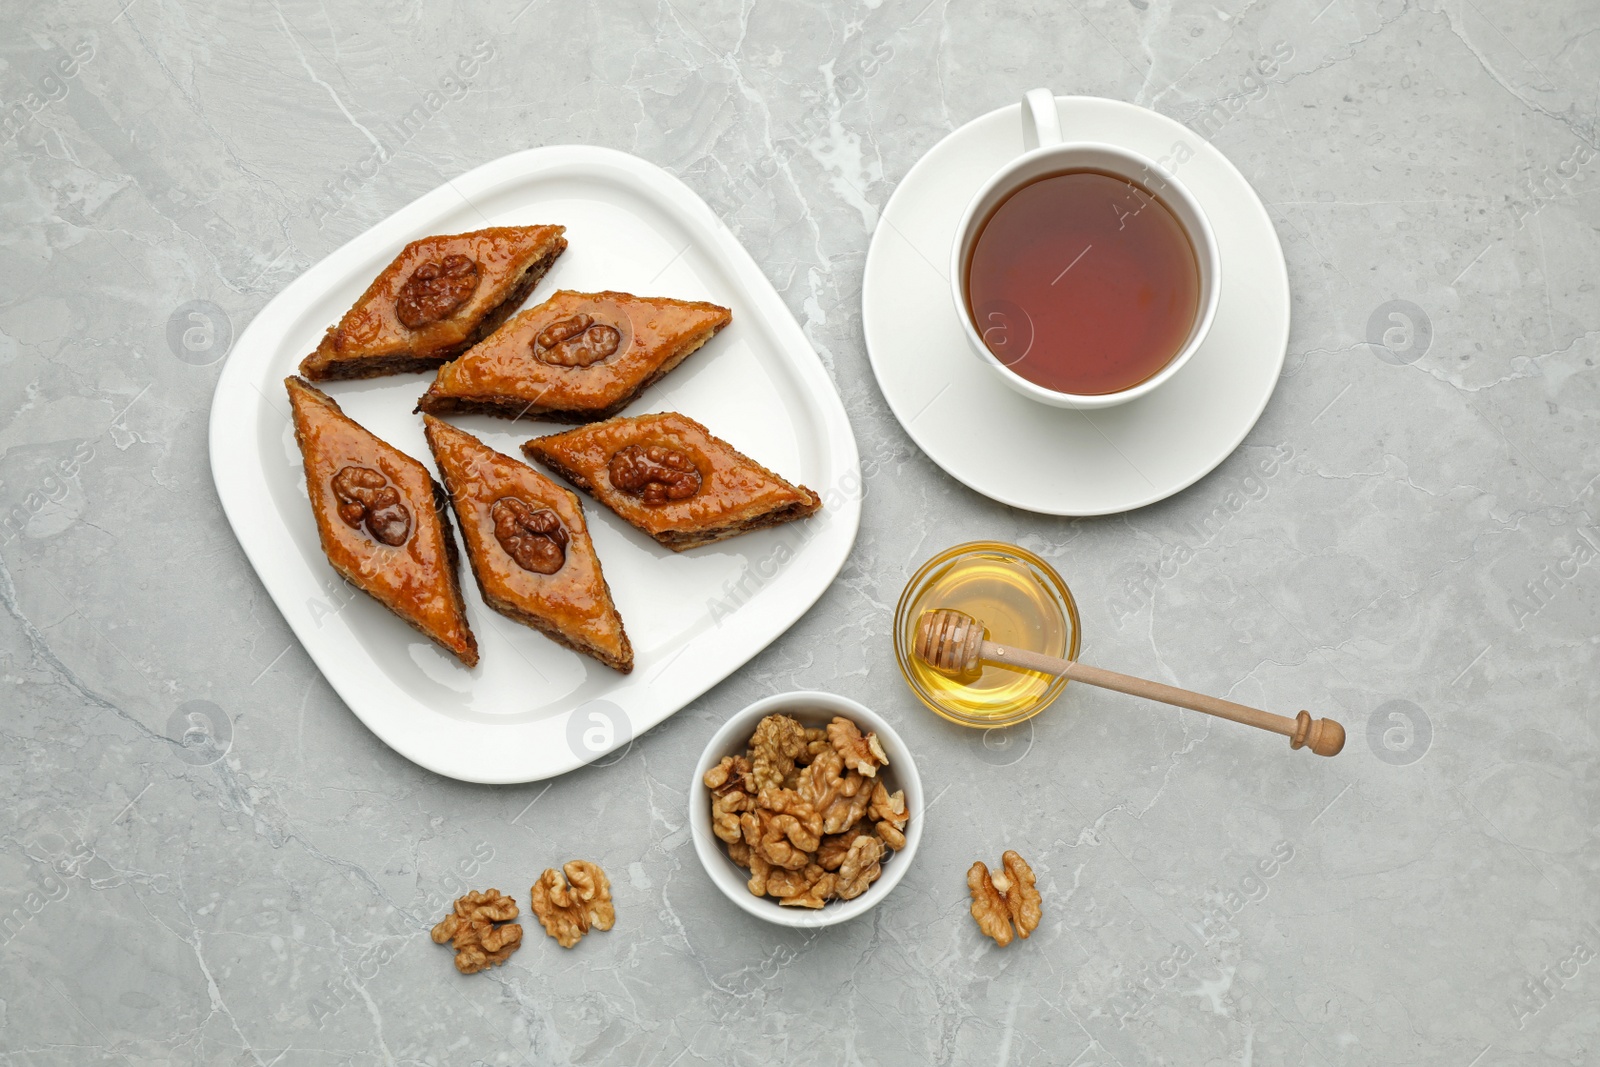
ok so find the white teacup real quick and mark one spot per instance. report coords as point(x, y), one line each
point(1045, 154)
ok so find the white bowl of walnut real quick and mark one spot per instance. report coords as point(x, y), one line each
point(797, 806)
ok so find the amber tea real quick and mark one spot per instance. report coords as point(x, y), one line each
point(1083, 282)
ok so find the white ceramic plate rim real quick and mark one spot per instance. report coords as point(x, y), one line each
point(1132, 113)
point(732, 738)
point(464, 749)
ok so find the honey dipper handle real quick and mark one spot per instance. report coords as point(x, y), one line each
point(1323, 736)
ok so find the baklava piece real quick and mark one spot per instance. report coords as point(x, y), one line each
point(667, 475)
point(381, 519)
point(439, 297)
point(529, 547)
point(577, 357)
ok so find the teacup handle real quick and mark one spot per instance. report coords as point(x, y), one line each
point(1041, 122)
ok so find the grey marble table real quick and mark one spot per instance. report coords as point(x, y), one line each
point(1419, 562)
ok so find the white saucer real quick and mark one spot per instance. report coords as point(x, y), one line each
point(1045, 459)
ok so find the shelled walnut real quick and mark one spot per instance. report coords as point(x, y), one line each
point(568, 907)
point(860, 866)
point(817, 741)
point(533, 537)
point(576, 342)
point(727, 805)
point(775, 749)
point(803, 810)
point(365, 496)
point(888, 814)
point(1003, 899)
point(783, 828)
point(860, 753)
point(841, 796)
point(836, 846)
point(656, 475)
point(479, 928)
point(435, 290)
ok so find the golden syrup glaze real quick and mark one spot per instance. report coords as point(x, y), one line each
point(372, 326)
point(656, 332)
point(733, 487)
point(416, 580)
point(575, 598)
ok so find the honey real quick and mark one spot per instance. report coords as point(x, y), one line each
point(1021, 601)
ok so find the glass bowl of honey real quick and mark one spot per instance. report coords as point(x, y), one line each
point(1021, 601)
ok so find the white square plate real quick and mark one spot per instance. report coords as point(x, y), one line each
point(532, 709)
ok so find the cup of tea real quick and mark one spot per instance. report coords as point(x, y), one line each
point(1083, 273)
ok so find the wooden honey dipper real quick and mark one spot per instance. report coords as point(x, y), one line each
point(952, 643)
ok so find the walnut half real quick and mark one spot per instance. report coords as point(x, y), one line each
point(533, 537)
point(775, 747)
point(435, 290)
point(862, 754)
point(479, 928)
point(888, 812)
point(365, 496)
point(576, 342)
point(784, 829)
point(567, 911)
point(656, 475)
point(1005, 898)
point(860, 867)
